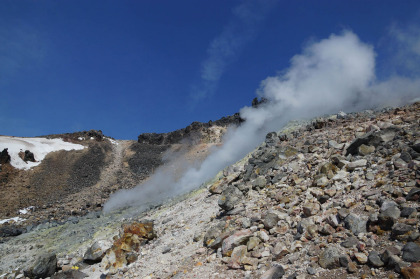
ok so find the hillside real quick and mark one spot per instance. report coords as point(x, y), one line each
point(75, 182)
point(335, 198)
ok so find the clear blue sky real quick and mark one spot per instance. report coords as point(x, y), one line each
point(128, 67)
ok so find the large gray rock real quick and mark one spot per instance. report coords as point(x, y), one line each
point(96, 252)
point(373, 138)
point(355, 224)
point(44, 266)
point(230, 197)
point(411, 252)
point(215, 235)
point(375, 260)
point(330, 258)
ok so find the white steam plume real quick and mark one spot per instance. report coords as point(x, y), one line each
point(337, 73)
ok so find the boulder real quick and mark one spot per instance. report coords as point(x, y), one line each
point(4, 157)
point(96, 252)
point(230, 197)
point(411, 252)
point(375, 260)
point(44, 266)
point(373, 138)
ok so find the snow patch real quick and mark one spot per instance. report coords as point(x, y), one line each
point(26, 210)
point(15, 219)
point(112, 141)
point(40, 147)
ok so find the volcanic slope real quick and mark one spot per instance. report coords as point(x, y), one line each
point(336, 198)
point(75, 182)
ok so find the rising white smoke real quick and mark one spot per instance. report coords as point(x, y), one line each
point(337, 73)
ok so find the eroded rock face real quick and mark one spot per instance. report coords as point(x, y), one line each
point(132, 237)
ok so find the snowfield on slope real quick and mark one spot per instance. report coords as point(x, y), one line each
point(40, 147)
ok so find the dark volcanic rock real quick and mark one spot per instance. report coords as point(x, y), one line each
point(411, 252)
point(4, 157)
point(230, 197)
point(191, 132)
point(146, 159)
point(373, 138)
point(29, 156)
point(7, 231)
point(43, 267)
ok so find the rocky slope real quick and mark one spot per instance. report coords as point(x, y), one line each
point(74, 183)
point(337, 198)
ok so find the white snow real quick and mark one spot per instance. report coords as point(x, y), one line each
point(40, 147)
point(26, 210)
point(15, 219)
point(112, 141)
point(81, 138)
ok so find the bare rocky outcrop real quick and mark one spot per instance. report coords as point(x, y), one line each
point(299, 206)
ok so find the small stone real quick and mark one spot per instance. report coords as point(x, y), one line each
point(375, 260)
point(311, 270)
point(350, 242)
point(356, 164)
point(387, 204)
point(411, 252)
point(407, 211)
point(344, 260)
point(237, 255)
point(413, 195)
point(329, 258)
point(310, 209)
point(366, 149)
point(343, 213)
point(401, 229)
point(230, 197)
point(270, 220)
point(388, 218)
point(280, 250)
point(238, 238)
point(327, 229)
point(361, 258)
point(355, 224)
point(396, 263)
point(252, 243)
point(369, 176)
point(352, 267)
point(276, 272)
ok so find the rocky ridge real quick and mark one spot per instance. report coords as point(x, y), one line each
point(334, 199)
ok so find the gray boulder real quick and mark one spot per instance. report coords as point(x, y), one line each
point(411, 252)
point(230, 197)
point(44, 266)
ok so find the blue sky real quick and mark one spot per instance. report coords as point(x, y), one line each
point(128, 67)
